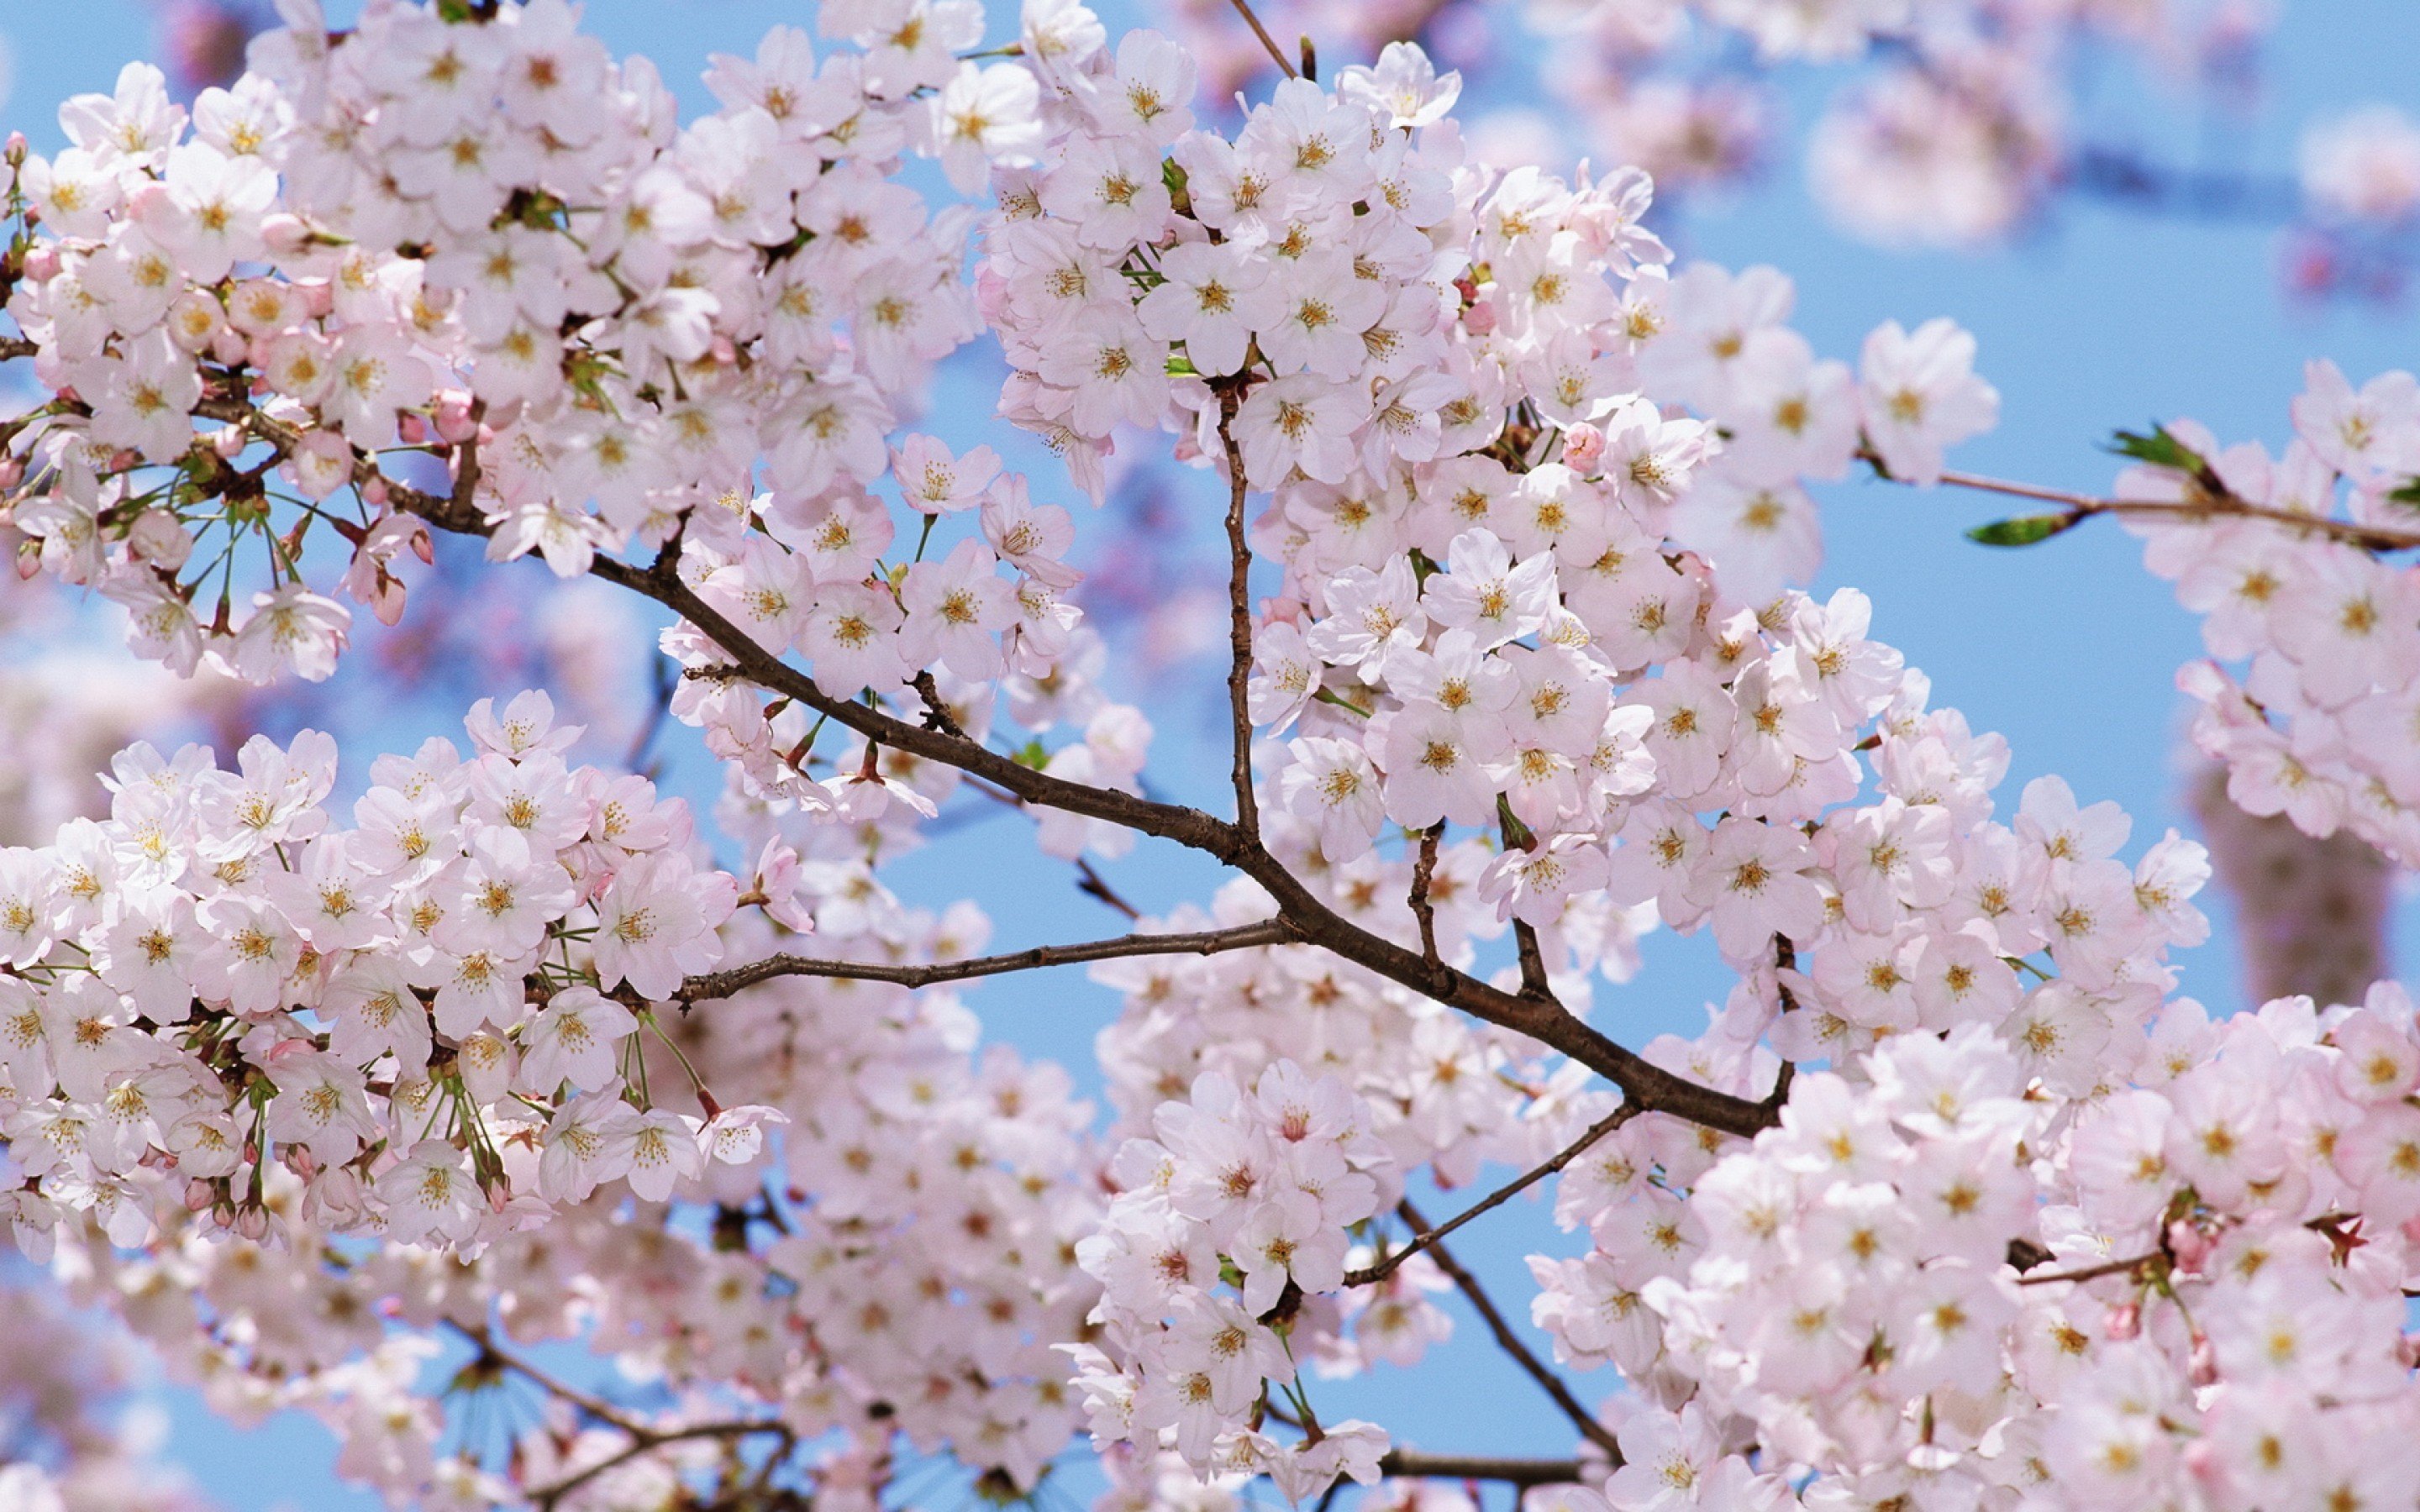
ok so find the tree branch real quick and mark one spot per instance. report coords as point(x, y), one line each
point(1261, 32)
point(1596, 1433)
point(2219, 503)
point(1521, 1472)
point(1207, 942)
point(1239, 599)
point(1423, 876)
point(1311, 919)
point(545, 1497)
point(2090, 1273)
point(1497, 1198)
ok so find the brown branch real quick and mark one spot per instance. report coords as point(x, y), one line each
point(596, 1406)
point(2091, 1273)
point(1209, 942)
point(1533, 962)
point(1092, 884)
point(1524, 1473)
point(1497, 1198)
point(1266, 40)
point(1311, 918)
point(2211, 503)
point(545, 1497)
point(1423, 876)
point(1239, 591)
point(1596, 1433)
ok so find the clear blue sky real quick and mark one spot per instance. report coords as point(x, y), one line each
point(2101, 319)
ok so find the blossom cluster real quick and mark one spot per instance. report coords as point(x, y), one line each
point(1259, 1188)
point(483, 238)
point(1936, 1284)
point(451, 951)
point(904, 1268)
point(2318, 724)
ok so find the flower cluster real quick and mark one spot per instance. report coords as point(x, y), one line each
point(1258, 1188)
point(1936, 1284)
point(483, 238)
point(159, 960)
point(2319, 724)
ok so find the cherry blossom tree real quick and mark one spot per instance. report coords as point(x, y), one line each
point(1954, 1202)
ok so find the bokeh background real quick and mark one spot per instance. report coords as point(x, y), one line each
point(2102, 312)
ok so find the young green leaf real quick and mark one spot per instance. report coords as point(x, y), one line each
point(2023, 530)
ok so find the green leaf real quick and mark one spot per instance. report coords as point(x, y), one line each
point(2159, 449)
point(2408, 495)
point(1180, 365)
point(2025, 529)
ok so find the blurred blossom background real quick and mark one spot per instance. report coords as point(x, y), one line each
point(2143, 209)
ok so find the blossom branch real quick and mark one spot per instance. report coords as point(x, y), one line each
point(1207, 942)
point(1284, 67)
point(546, 1496)
point(2091, 1273)
point(1239, 598)
point(1520, 1473)
point(1596, 1433)
point(1312, 921)
point(1497, 1198)
point(2213, 499)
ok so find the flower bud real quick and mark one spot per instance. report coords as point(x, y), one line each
point(42, 264)
point(2123, 1322)
point(284, 234)
point(1583, 448)
point(157, 537)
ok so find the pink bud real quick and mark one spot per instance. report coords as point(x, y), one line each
point(723, 354)
point(17, 149)
point(319, 297)
point(2189, 1244)
point(453, 423)
point(1583, 448)
point(413, 428)
point(253, 1224)
point(198, 1195)
point(2123, 1322)
point(125, 459)
point(2204, 1367)
point(12, 471)
point(422, 547)
point(42, 263)
point(228, 346)
point(284, 234)
point(374, 492)
point(29, 560)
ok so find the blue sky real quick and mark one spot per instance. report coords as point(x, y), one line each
point(2100, 320)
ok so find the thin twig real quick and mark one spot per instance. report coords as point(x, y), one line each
point(1596, 1433)
point(1207, 942)
point(1266, 40)
point(2080, 506)
point(1239, 591)
point(545, 1497)
point(1522, 1473)
point(1533, 962)
point(1497, 1198)
point(2089, 1273)
point(1092, 884)
point(1423, 874)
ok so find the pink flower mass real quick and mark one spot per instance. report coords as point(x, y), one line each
point(314, 1066)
